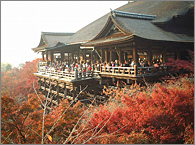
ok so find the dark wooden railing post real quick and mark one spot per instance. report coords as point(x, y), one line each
point(58, 90)
point(135, 70)
point(65, 90)
point(76, 73)
point(123, 70)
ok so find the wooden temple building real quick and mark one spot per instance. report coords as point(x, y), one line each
point(140, 30)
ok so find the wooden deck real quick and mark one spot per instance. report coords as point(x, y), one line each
point(133, 73)
point(61, 84)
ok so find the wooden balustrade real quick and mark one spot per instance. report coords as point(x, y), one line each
point(132, 71)
point(120, 71)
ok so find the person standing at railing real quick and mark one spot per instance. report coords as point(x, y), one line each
point(126, 63)
point(141, 63)
point(116, 63)
point(89, 68)
point(132, 63)
point(113, 64)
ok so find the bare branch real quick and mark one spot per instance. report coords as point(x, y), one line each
point(64, 112)
point(100, 128)
point(6, 137)
point(77, 123)
point(37, 94)
point(43, 122)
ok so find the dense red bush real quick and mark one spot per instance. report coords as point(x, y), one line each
point(160, 115)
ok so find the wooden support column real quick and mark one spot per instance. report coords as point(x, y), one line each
point(106, 55)
point(46, 56)
point(91, 57)
point(68, 58)
point(149, 57)
point(74, 92)
point(58, 90)
point(62, 56)
point(121, 56)
point(110, 55)
point(72, 57)
point(78, 55)
point(135, 56)
point(43, 56)
point(51, 56)
point(101, 52)
point(164, 56)
point(84, 56)
point(65, 90)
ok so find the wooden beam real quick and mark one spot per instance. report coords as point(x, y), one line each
point(101, 52)
point(43, 56)
point(58, 90)
point(78, 55)
point(110, 55)
point(84, 56)
point(72, 57)
point(51, 56)
point(68, 58)
point(149, 53)
point(135, 56)
point(65, 90)
point(164, 56)
point(46, 56)
point(106, 55)
point(91, 57)
point(62, 56)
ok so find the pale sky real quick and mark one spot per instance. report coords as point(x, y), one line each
point(23, 21)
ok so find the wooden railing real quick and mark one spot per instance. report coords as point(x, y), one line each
point(117, 71)
point(133, 71)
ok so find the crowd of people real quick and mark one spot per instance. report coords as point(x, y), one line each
point(88, 66)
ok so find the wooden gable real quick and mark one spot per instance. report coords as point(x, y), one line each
point(110, 30)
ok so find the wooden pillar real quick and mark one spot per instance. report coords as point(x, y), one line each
point(46, 56)
point(51, 56)
point(121, 56)
point(72, 57)
point(135, 56)
point(74, 92)
point(149, 56)
point(91, 57)
point(65, 90)
point(101, 52)
point(164, 56)
point(58, 90)
point(106, 55)
point(125, 56)
point(78, 55)
point(62, 56)
point(110, 55)
point(84, 56)
point(43, 56)
point(96, 57)
point(68, 58)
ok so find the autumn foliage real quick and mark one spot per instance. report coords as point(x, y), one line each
point(161, 114)
point(158, 113)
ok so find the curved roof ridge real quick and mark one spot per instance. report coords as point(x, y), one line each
point(132, 15)
point(58, 33)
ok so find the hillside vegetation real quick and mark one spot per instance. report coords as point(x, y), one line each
point(157, 113)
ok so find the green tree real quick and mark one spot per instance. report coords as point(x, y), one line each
point(6, 66)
